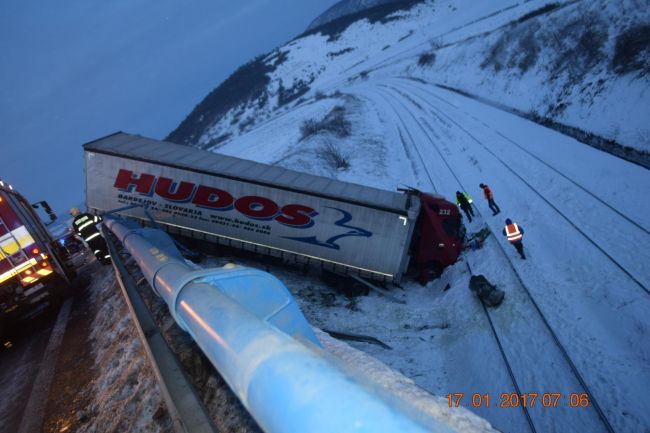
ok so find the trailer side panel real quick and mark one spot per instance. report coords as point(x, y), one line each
point(341, 233)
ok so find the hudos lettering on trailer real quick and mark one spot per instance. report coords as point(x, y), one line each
point(255, 207)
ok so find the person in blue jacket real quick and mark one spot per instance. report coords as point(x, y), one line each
point(515, 235)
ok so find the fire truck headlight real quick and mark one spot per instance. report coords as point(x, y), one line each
point(441, 245)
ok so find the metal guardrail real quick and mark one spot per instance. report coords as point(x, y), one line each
point(187, 412)
point(250, 328)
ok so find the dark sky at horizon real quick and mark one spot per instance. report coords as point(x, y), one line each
point(75, 71)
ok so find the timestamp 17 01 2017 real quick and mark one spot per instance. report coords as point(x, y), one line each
point(514, 400)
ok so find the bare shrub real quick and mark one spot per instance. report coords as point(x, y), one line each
point(426, 59)
point(332, 155)
point(528, 51)
point(496, 56)
point(334, 122)
point(534, 115)
point(319, 95)
point(286, 96)
point(585, 37)
point(308, 128)
point(577, 45)
point(632, 51)
point(339, 53)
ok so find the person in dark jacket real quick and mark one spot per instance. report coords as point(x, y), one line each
point(515, 235)
point(487, 192)
point(85, 225)
point(463, 200)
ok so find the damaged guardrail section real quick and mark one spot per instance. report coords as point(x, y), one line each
point(250, 327)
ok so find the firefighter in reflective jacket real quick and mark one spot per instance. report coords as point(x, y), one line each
point(85, 225)
point(515, 234)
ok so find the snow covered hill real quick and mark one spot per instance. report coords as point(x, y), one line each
point(348, 7)
point(583, 64)
point(443, 96)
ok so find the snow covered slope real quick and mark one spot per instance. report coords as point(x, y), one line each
point(584, 64)
point(347, 7)
point(363, 104)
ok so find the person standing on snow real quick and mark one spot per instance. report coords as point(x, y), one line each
point(515, 235)
point(464, 201)
point(487, 192)
point(85, 225)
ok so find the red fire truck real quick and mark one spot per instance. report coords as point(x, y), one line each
point(34, 268)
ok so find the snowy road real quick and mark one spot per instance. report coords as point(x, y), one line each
point(584, 272)
point(20, 360)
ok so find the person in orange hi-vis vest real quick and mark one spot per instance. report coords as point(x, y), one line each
point(515, 235)
point(487, 192)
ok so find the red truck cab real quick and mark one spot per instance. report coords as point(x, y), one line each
point(438, 237)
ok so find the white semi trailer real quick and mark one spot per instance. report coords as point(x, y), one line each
point(340, 226)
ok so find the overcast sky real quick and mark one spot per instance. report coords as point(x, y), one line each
point(75, 70)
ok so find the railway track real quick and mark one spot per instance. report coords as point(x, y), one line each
point(494, 324)
point(541, 161)
point(569, 220)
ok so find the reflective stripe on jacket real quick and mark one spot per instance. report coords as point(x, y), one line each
point(467, 197)
point(513, 233)
point(85, 226)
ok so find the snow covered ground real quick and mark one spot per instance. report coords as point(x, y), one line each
point(561, 60)
point(125, 394)
point(574, 319)
point(590, 284)
point(586, 282)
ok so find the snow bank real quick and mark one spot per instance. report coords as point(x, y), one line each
point(378, 373)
